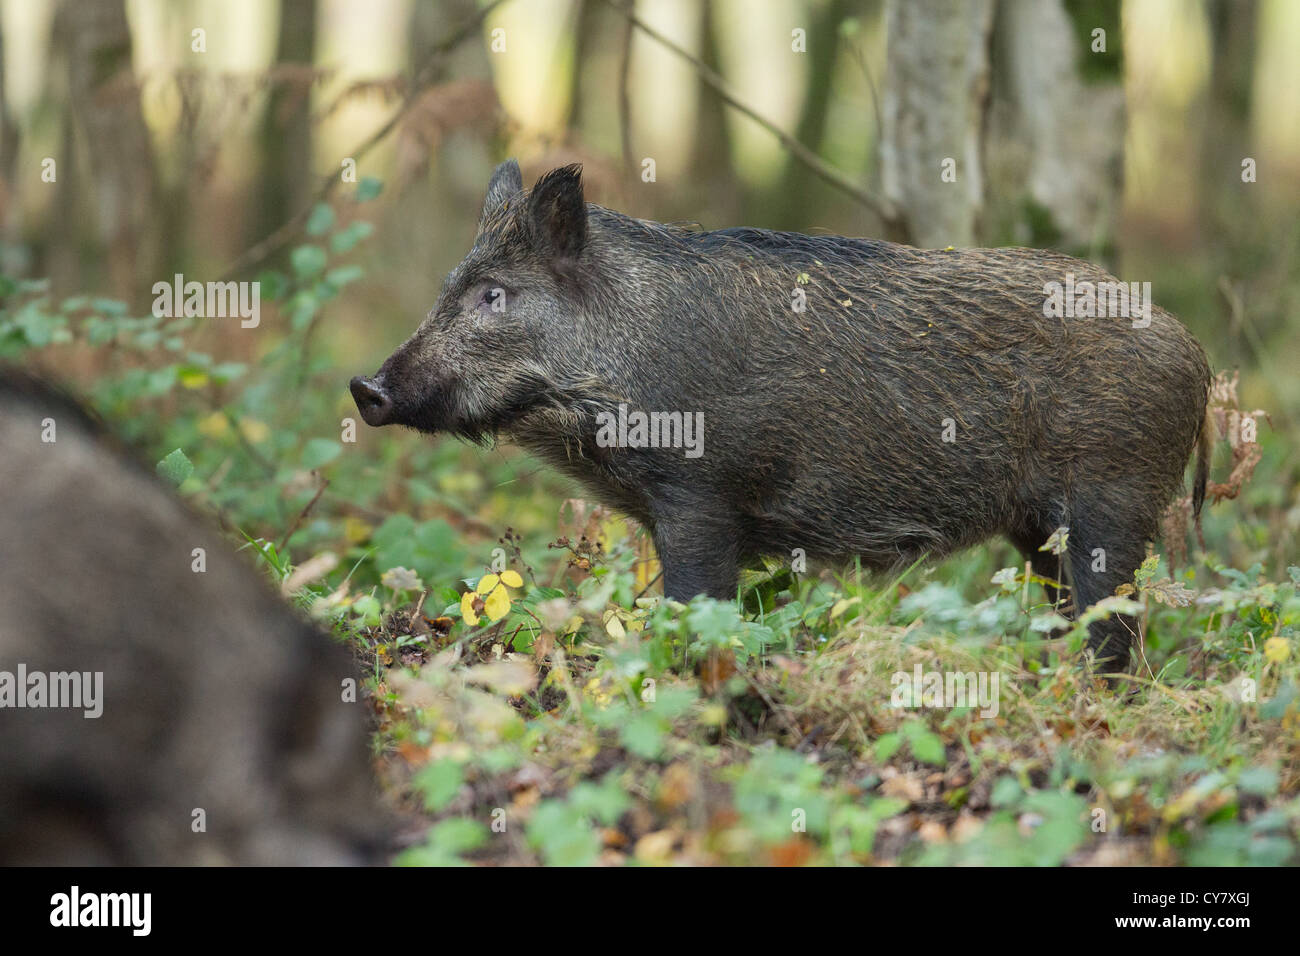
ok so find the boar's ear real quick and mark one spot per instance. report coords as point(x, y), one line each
point(506, 182)
point(559, 212)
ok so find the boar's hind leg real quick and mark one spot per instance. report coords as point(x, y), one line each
point(1105, 548)
point(699, 556)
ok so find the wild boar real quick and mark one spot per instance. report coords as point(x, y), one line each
point(848, 397)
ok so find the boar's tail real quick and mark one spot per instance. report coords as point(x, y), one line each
point(1204, 451)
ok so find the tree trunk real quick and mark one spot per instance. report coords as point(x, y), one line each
point(285, 140)
point(1226, 132)
point(109, 124)
point(800, 192)
point(1055, 140)
point(937, 74)
point(712, 147)
point(10, 196)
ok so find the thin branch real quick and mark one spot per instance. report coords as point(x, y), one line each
point(880, 206)
point(324, 483)
point(285, 233)
point(624, 101)
point(650, 585)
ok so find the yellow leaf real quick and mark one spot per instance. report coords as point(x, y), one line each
point(714, 715)
point(255, 431)
point(214, 425)
point(467, 608)
point(497, 604)
point(512, 579)
point(613, 626)
point(842, 605)
point(1276, 649)
point(193, 379)
point(486, 584)
point(356, 530)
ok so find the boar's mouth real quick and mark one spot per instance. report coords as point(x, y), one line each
point(478, 413)
point(528, 402)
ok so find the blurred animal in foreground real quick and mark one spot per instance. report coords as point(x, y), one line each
point(159, 704)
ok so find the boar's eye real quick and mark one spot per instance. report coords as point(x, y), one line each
point(492, 298)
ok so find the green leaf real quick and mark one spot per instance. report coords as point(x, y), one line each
point(643, 735)
point(368, 610)
point(1006, 792)
point(887, 746)
point(272, 284)
point(161, 381)
point(320, 220)
point(431, 548)
point(304, 309)
point(439, 783)
point(563, 836)
point(606, 802)
point(226, 371)
point(308, 261)
point(928, 748)
point(341, 276)
point(368, 188)
point(319, 451)
point(176, 467)
point(108, 306)
point(346, 238)
point(1262, 781)
point(446, 842)
point(1276, 707)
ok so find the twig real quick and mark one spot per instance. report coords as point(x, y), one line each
point(880, 206)
point(324, 482)
point(861, 61)
point(649, 586)
point(281, 236)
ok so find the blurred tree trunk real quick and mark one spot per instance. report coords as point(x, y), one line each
point(1226, 136)
point(1055, 135)
point(800, 192)
point(586, 37)
point(285, 139)
point(936, 81)
point(11, 258)
point(109, 127)
point(1224, 204)
point(423, 30)
point(711, 148)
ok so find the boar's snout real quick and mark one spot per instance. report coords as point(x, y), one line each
point(373, 401)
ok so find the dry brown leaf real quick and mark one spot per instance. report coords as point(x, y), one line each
point(905, 786)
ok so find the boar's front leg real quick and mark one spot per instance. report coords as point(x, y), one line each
point(699, 554)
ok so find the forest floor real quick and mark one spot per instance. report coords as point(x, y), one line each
point(589, 726)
